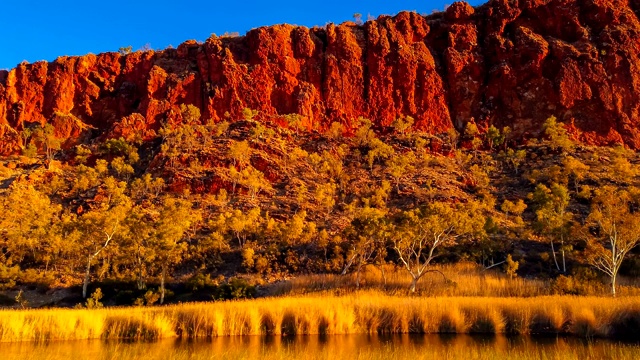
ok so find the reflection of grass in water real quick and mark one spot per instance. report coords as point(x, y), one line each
point(331, 347)
point(364, 312)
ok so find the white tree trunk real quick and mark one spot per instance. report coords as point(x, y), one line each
point(358, 276)
point(613, 284)
point(85, 283)
point(347, 266)
point(164, 272)
point(564, 263)
point(414, 283)
point(555, 259)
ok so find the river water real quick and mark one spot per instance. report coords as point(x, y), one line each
point(351, 347)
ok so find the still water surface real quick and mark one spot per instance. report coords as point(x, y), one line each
point(329, 347)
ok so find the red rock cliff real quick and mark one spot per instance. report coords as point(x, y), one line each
point(508, 62)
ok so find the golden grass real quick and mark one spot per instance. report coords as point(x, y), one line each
point(462, 279)
point(365, 312)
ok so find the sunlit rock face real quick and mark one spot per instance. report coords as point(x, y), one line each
point(508, 63)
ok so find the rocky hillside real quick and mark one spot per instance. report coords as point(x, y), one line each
point(294, 151)
point(508, 62)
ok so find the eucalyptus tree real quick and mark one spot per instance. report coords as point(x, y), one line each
point(423, 231)
point(613, 229)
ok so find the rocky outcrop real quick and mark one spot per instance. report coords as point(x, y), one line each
point(508, 62)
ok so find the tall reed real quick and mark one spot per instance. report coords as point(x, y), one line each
point(361, 312)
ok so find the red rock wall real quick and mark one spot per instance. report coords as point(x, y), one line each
point(508, 62)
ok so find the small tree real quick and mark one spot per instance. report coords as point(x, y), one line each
point(557, 135)
point(613, 230)
point(249, 114)
point(511, 267)
point(294, 121)
point(125, 50)
point(242, 224)
point(357, 17)
point(254, 181)
point(513, 208)
point(368, 234)
point(552, 217)
point(378, 150)
point(325, 196)
point(399, 165)
point(402, 124)
point(506, 135)
point(94, 301)
point(190, 114)
point(453, 136)
point(621, 168)
point(335, 130)
point(175, 217)
point(575, 169)
point(515, 158)
point(425, 230)
point(27, 225)
point(42, 137)
point(471, 133)
point(122, 169)
point(494, 137)
point(363, 132)
point(239, 152)
point(99, 228)
point(137, 243)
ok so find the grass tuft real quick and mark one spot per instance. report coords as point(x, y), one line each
point(365, 312)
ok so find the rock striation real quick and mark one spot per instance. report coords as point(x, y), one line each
point(508, 63)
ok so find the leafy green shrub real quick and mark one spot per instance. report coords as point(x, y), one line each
point(8, 276)
point(94, 301)
point(583, 281)
point(557, 135)
point(566, 285)
point(203, 282)
point(149, 298)
point(21, 300)
point(235, 289)
point(511, 267)
point(247, 258)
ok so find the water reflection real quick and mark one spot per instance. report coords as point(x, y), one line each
point(329, 347)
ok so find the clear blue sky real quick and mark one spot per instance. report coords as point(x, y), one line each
point(35, 30)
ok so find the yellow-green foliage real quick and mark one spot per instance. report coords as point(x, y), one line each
point(364, 312)
point(287, 203)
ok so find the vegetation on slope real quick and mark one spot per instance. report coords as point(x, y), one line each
point(204, 203)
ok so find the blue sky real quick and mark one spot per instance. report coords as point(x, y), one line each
point(35, 30)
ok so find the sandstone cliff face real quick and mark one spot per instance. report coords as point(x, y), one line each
point(508, 62)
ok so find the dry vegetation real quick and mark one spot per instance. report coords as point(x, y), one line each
point(363, 312)
point(461, 279)
point(206, 211)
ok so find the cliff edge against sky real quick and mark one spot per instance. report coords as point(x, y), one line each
point(508, 62)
